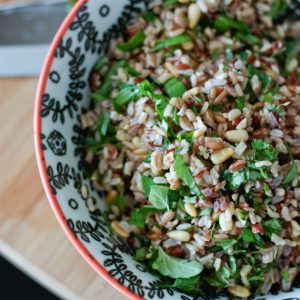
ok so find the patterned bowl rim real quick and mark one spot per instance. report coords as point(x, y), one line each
point(42, 166)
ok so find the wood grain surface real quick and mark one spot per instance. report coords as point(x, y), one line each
point(30, 236)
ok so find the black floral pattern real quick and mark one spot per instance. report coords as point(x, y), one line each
point(83, 38)
point(118, 269)
point(56, 107)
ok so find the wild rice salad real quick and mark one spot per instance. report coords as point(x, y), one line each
point(194, 138)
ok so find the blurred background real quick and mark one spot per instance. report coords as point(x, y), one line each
point(36, 258)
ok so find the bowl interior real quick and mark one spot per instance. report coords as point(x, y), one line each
point(62, 97)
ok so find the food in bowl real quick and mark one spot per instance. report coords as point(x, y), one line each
point(193, 137)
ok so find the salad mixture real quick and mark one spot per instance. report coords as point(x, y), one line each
point(193, 137)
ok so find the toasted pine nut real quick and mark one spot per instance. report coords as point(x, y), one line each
point(190, 209)
point(118, 229)
point(239, 291)
point(221, 155)
point(111, 196)
point(188, 45)
point(179, 235)
point(197, 133)
point(236, 136)
point(140, 152)
point(155, 235)
point(214, 143)
point(167, 216)
point(194, 15)
point(219, 118)
point(194, 91)
point(235, 196)
point(156, 162)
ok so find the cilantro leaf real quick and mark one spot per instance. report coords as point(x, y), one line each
point(168, 3)
point(140, 254)
point(149, 16)
point(278, 8)
point(235, 179)
point(104, 90)
point(183, 171)
point(272, 226)
point(240, 102)
point(292, 173)
point(147, 182)
point(126, 95)
point(175, 88)
point(159, 196)
point(226, 244)
point(250, 237)
point(135, 42)
point(176, 267)
point(265, 79)
point(139, 215)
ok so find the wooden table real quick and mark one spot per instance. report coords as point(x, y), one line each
point(30, 236)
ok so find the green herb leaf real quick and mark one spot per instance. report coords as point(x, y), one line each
point(272, 226)
point(103, 123)
point(205, 211)
point(278, 8)
point(149, 16)
point(224, 23)
point(168, 3)
point(249, 39)
point(135, 42)
point(176, 267)
point(175, 88)
point(265, 79)
point(264, 151)
point(285, 275)
point(139, 215)
point(228, 54)
point(147, 182)
point(226, 244)
point(186, 284)
point(183, 171)
point(216, 107)
point(268, 97)
point(258, 144)
point(235, 179)
point(292, 173)
point(103, 61)
point(126, 95)
point(173, 41)
point(159, 196)
point(232, 264)
point(244, 56)
point(119, 202)
point(131, 71)
point(140, 254)
point(250, 237)
point(240, 102)
point(105, 89)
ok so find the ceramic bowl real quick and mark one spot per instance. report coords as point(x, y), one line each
point(63, 94)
